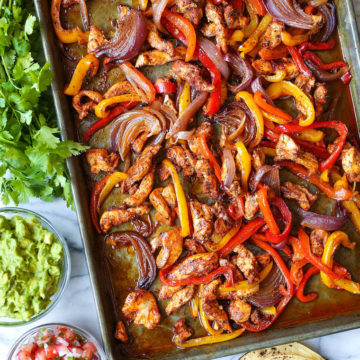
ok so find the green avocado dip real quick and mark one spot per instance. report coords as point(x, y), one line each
point(30, 267)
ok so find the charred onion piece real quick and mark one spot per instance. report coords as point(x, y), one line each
point(143, 227)
point(257, 85)
point(318, 221)
point(269, 175)
point(129, 36)
point(84, 14)
point(326, 76)
point(230, 168)
point(144, 256)
point(329, 13)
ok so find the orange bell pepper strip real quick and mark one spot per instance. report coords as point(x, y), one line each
point(293, 40)
point(187, 29)
point(261, 102)
point(277, 53)
point(296, 271)
point(262, 196)
point(300, 291)
point(207, 154)
point(101, 109)
point(66, 36)
point(181, 199)
point(258, 7)
point(326, 188)
point(88, 62)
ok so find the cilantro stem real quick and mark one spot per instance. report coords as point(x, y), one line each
point(8, 75)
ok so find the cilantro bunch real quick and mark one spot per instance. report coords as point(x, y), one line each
point(32, 155)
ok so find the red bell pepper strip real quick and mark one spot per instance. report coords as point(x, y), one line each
point(102, 122)
point(267, 323)
point(262, 197)
point(300, 291)
point(339, 126)
point(207, 154)
point(258, 6)
point(316, 46)
point(346, 78)
point(296, 271)
point(258, 240)
point(222, 270)
point(238, 212)
point(326, 188)
point(317, 61)
point(313, 259)
point(243, 234)
point(298, 60)
point(165, 87)
point(287, 218)
point(274, 54)
point(238, 4)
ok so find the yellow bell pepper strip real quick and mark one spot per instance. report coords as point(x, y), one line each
point(244, 284)
point(100, 192)
point(332, 243)
point(261, 102)
point(273, 118)
point(293, 40)
point(194, 306)
point(324, 176)
point(311, 135)
point(66, 36)
point(207, 154)
point(88, 62)
point(271, 310)
point(256, 113)
point(280, 74)
point(300, 291)
point(254, 19)
point(245, 159)
point(251, 42)
point(174, 23)
point(282, 88)
point(204, 320)
point(210, 339)
point(101, 109)
point(181, 199)
point(237, 36)
point(184, 100)
point(212, 247)
point(143, 5)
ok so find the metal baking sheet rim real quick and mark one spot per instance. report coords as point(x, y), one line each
point(351, 50)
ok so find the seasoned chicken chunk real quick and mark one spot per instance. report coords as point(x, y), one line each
point(292, 71)
point(119, 88)
point(215, 17)
point(263, 67)
point(191, 74)
point(246, 262)
point(320, 93)
point(257, 158)
point(142, 166)
point(272, 36)
point(181, 159)
point(232, 17)
point(299, 193)
point(206, 173)
point(96, 38)
point(100, 160)
point(140, 306)
point(238, 294)
point(223, 222)
point(156, 42)
point(167, 291)
point(121, 215)
point(195, 265)
point(202, 218)
point(164, 213)
point(139, 143)
point(350, 161)
point(208, 292)
point(287, 149)
point(318, 239)
point(191, 9)
point(180, 298)
point(142, 193)
point(171, 243)
point(251, 206)
point(239, 311)
point(83, 107)
point(215, 312)
point(169, 195)
point(193, 247)
point(157, 57)
point(182, 331)
point(305, 83)
point(120, 332)
point(204, 129)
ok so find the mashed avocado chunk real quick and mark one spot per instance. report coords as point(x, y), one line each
point(31, 264)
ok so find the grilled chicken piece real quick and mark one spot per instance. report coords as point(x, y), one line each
point(246, 262)
point(139, 143)
point(208, 292)
point(318, 239)
point(319, 99)
point(180, 298)
point(167, 292)
point(142, 193)
point(157, 57)
point(305, 83)
point(156, 42)
point(182, 331)
point(169, 195)
point(239, 311)
point(350, 161)
point(263, 259)
point(164, 208)
point(181, 159)
point(292, 71)
point(192, 74)
point(82, 107)
point(168, 104)
point(100, 160)
point(240, 294)
point(140, 306)
point(223, 222)
point(119, 88)
point(191, 9)
point(206, 173)
point(287, 149)
point(204, 129)
point(215, 312)
point(96, 38)
point(216, 19)
point(121, 215)
point(263, 67)
point(272, 36)
point(232, 17)
point(195, 265)
point(193, 247)
point(120, 332)
point(171, 243)
point(258, 317)
point(141, 167)
point(299, 193)
point(257, 158)
point(251, 206)
point(202, 218)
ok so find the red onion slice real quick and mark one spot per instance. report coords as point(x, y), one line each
point(324, 222)
point(257, 85)
point(329, 13)
point(158, 7)
point(230, 168)
point(326, 76)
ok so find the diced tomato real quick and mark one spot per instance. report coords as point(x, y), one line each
point(52, 351)
point(24, 355)
point(40, 354)
point(65, 333)
point(61, 348)
point(30, 348)
point(89, 350)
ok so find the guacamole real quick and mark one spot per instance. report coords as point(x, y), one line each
point(30, 264)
